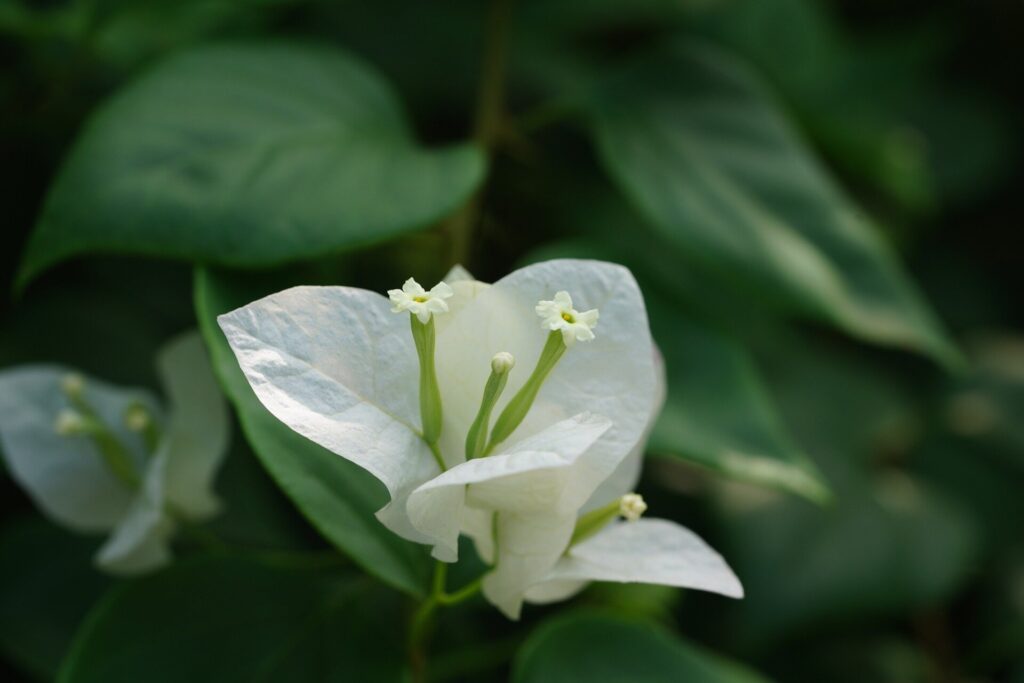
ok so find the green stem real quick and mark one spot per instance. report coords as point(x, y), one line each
point(476, 437)
point(517, 408)
point(487, 121)
point(422, 618)
point(430, 393)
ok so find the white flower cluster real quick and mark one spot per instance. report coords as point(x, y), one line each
point(565, 449)
point(99, 458)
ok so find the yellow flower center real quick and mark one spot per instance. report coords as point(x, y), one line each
point(567, 318)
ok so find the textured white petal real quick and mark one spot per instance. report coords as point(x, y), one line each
point(625, 477)
point(528, 546)
point(413, 288)
point(141, 541)
point(646, 551)
point(546, 474)
point(463, 292)
point(554, 590)
point(613, 375)
point(65, 476)
point(335, 365)
point(197, 429)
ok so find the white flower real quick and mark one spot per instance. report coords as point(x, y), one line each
point(335, 366)
point(421, 303)
point(558, 314)
point(48, 449)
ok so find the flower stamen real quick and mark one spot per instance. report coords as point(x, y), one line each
point(476, 438)
point(630, 507)
point(423, 306)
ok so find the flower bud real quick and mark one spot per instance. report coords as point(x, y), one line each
point(632, 506)
point(502, 362)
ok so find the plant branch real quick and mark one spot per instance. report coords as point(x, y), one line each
point(487, 122)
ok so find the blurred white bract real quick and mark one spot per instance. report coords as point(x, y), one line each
point(96, 457)
point(540, 490)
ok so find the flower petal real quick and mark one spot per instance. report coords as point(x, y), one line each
point(546, 474)
point(528, 546)
point(197, 431)
point(65, 476)
point(646, 551)
point(625, 477)
point(336, 366)
point(141, 541)
point(613, 375)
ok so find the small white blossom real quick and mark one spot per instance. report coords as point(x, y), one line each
point(137, 418)
point(418, 301)
point(558, 314)
point(632, 506)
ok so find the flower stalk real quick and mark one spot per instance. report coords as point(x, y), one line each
point(431, 411)
point(515, 412)
point(476, 439)
point(83, 420)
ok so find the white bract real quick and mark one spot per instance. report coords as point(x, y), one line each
point(95, 457)
point(560, 456)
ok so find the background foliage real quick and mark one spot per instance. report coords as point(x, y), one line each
point(820, 200)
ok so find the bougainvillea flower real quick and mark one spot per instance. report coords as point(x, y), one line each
point(95, 457)
point(540, 487)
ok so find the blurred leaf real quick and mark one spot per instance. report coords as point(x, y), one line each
point(231, 619)
point(248, 155)
point(717, 412)
point(125, 32)
point(49, 584)
point(596, 648)
point(709, 159)
point(853, 658)
point(256, 514)
point(882, 550)
point(986, 406)
point(338, 497)
point(890, 543)
point(882, 107)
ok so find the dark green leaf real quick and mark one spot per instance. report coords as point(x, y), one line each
point(232, 619)
point(49, 584)
point(338, 497)
point(248, 155)
point(594, 648)
point(718, 412)
point(890, 543)
point(708, 158)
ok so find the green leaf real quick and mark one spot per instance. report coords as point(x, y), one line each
point(248, 155)
point(49, 584)
point(593, 648)
point(890, 544)
point(232, 619)
point(337, 497)
point(706, 155)
point(717, 412)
